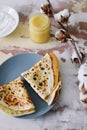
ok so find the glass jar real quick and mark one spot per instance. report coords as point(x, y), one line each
point(39, 28)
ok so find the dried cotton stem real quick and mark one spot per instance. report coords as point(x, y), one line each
point(71, 39)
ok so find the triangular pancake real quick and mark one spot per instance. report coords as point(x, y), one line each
point(14, 98)
point(44, 78)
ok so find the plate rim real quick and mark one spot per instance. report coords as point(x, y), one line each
point(25, 53)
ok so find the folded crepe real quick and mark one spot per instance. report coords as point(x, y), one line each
point(44, 78)
point(14, 99)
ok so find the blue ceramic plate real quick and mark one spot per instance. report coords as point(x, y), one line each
point(13, 67)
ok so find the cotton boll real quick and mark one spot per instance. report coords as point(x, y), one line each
point(46, 8)
point(62, 16)
point(83, 98)
point(61, 35)
point(82, 77)
point(75, 57)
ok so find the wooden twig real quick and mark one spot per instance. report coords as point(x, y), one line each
point(75, 48)
point(51, 7)
point(62, 26)
point(68, 35)
point(57, 22)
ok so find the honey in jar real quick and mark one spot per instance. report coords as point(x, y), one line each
point(39, 28)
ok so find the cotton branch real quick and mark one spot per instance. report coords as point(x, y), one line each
point(67, 33)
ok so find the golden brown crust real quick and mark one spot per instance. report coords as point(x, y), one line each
point(12, 112)
point(57, 77)
point(14, 93)
point(55, 66)
point(58, 90)
point(15, 99)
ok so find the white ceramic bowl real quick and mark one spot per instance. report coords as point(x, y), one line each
point(9, 20)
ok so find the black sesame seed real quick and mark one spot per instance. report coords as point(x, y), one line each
point(40, 84)
point(34, 86)
point(34, 78)
point(42, 68)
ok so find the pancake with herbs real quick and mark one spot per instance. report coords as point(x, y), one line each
point(44, 78)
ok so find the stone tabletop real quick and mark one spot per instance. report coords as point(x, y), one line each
point(68, 113)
